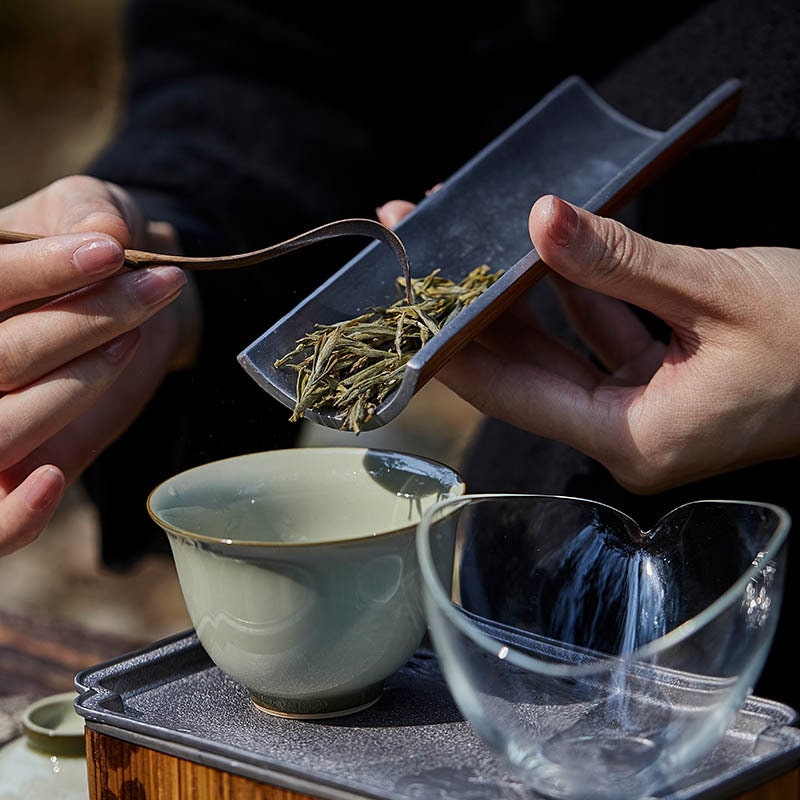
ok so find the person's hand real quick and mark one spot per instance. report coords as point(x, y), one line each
point(82, 345)
point(723, 393)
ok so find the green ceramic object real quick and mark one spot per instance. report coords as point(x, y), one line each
point(48, 761)
point(299, 568)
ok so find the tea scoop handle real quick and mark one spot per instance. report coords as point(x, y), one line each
point(355, 226)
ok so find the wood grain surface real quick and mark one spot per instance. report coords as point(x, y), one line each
point(41, 656)
point(120, 770)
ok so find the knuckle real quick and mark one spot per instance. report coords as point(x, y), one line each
point(105, 221)
point(619, 250)
point(640, 481)
point(7, 440)
point(104, 309)
point(12, 538)
point(93, 207)
point(93, 372)
point(647, 468)
point(13, 361)
point(70, 184)
point(646, 457)
point(483, 394)
point(100, 308)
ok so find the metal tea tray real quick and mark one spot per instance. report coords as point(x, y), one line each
point(413, 743)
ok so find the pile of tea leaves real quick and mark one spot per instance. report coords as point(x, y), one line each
point(350, 367)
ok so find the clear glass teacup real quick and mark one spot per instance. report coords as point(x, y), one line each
point(600, 660)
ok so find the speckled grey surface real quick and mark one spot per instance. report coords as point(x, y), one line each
point(412, 744)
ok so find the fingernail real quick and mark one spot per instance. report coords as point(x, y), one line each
point(101, 255)
point(563, 221)
point(118, 348)
point(44, 487)
point(153, 286)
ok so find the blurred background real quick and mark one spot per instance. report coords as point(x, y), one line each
point(61, 67)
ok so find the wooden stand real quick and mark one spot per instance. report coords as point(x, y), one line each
point(128, 772)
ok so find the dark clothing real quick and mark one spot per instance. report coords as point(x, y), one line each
point(245, 125)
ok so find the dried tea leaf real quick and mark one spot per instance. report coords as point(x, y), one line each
point(352, 366)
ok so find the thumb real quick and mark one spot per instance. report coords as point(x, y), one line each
point(604, 255)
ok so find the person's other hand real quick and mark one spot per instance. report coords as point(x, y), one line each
point(394, 212)
point(722, 393)
point(82, 345)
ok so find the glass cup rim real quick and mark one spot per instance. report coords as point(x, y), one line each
point(434, 589)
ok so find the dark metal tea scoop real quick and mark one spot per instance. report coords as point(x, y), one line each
point(571, 144)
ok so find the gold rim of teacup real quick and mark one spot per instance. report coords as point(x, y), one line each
point(458, 486)
point(201, 537)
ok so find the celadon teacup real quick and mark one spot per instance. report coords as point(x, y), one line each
point(299, 569)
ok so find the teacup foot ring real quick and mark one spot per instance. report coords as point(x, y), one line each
point(318, 708)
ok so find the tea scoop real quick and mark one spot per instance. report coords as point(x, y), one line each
point(342, 227)
point(573, 144)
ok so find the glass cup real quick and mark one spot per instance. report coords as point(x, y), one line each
point(600, 660)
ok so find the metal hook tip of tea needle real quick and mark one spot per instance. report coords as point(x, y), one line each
point(377, 230)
